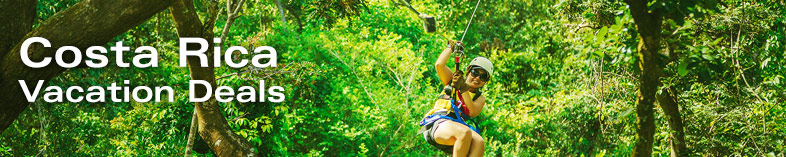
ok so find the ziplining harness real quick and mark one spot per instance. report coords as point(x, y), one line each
point(456, 101)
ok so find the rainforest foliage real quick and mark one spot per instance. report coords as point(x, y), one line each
point(359, 75)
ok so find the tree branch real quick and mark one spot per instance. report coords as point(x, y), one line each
point(231, 15)
point(213, 126)
point(85, 24)
point(18, 18)
point(668, 103)
point(281, 11)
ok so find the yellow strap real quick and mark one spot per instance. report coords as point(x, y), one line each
point(444, 105)
point(440, 105)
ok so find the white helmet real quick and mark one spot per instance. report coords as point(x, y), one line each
point(484, 63)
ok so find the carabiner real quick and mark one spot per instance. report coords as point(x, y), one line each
point(458, 49)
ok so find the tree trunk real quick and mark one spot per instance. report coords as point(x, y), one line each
point(17, 21)
point(281, 11)
point(670, 107)
point(85, 24)
point(213, 125)
point(192, 131)
point(649, 27)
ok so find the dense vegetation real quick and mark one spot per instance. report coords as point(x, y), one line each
point(359, 76)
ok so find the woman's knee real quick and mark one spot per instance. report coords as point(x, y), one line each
point(465, 134)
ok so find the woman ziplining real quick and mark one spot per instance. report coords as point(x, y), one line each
point(445, 125)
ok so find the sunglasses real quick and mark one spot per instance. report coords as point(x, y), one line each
point(483, 77)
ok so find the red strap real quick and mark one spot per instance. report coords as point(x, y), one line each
point(463, 106)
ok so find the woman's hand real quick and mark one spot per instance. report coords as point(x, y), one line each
point(452, 44)
point(444, 73)
point(458, 81)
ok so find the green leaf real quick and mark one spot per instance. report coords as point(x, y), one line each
point(715, 42)
point(602, 33)
point(682, 69)
point(615, 28)
point(688, 25)
point(600, 54)
point(765, 62)
point(707, 57)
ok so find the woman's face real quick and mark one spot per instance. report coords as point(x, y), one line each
point(477, 77)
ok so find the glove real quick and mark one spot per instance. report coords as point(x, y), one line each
point(458, 81)
point(452, 44)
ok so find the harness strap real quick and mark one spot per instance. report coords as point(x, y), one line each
point(432, 118)
point(456, 111)
point(463, 106)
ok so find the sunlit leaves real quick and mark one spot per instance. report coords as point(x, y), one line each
point(564, 84)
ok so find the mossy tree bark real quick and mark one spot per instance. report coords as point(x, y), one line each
point(90, 23)
point(648, 24)
point(212, 124)
point(668, 103)
point(85, 24)
point(18, 18)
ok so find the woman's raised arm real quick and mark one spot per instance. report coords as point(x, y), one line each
point(444, 73)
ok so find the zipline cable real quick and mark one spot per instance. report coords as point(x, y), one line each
point(470, 21)
point(410, 7)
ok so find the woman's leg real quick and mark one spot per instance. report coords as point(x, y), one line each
point(456, 134)
point(478, 146)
